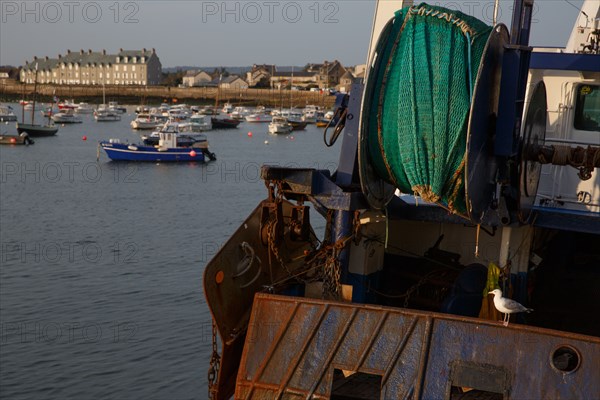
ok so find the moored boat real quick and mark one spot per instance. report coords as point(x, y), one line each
point(7, 114)
point(37, 130)
point(66, 116)
point(224, 123)
point(280, 125)
point(167, 150)
point(22, 139)
point(107, 115)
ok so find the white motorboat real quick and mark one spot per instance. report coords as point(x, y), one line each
point(66, 116)
point(7, 114)
point(280, 125)
point(239, 113)
point(259, 117)
point(115, 106)
point(145, 122)
point(84, 108)
point(106, 115)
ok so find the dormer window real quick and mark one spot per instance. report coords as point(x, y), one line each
point(133, 60)
point(143, 59)
point(118, 60)
point(125, 59)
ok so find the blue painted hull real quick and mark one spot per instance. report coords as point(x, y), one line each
point(128, 152)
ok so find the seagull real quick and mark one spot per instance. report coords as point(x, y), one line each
point(507, 306)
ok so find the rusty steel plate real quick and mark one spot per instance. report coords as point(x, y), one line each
point(294, 347)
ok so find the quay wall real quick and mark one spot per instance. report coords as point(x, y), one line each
point(11, 90)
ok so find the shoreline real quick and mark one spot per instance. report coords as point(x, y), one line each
point(15, 91)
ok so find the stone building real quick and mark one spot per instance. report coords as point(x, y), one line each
point(127, 67)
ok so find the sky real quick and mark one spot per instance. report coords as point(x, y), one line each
point(229, 33)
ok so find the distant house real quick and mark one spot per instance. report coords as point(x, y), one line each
point(345, 82)
point(3, 75)
point(233, 82)
point(329, 73)
point(260, 73)
point(127, 67)
point(196, 78)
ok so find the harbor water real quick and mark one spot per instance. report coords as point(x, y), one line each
point(101, 262)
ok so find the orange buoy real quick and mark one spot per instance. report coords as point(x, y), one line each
point(192, 153)
point(84, 137)
point(249, 134)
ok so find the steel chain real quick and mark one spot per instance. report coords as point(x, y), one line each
point(215, 363)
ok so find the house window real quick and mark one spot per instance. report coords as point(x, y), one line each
point(116, 67)
point(124, 59)
point(133, 68)
point(125, 68)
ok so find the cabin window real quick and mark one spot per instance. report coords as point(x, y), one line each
point(587, 108)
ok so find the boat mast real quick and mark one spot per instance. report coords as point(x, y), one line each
point(34, 93)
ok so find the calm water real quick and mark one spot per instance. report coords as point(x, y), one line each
point(101, 262)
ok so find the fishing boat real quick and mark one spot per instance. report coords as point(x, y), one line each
point(469, 163)
point(280, 125)
point(66, 116)
point(33, 129)
point(167, 150)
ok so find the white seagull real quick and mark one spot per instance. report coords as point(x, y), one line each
point(507, 306)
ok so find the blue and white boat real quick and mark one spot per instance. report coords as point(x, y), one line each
point(167, 150)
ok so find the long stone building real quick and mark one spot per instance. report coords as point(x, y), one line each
point(127, 67)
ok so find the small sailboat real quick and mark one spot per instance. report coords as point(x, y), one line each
point(33, 129)
point(106, 114)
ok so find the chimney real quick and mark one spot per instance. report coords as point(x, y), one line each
point(121, 50)
point(89, 51)
point(103, 52)
point(153, 51)
point(68, 51)
point(144, 50)
point(34, 58)
point(60, 56)
point(46, 58)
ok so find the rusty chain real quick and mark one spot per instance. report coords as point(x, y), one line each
point(215, 363)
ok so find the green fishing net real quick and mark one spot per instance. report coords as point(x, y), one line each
point(422, 97)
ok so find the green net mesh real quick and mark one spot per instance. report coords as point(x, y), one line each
point(422, 97)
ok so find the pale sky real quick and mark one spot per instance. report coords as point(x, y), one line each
point(229, 33)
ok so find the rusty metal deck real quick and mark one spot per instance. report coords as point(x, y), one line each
point(294, 345)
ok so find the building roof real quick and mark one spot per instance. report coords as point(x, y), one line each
point(347, 75)
point(231, 79)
